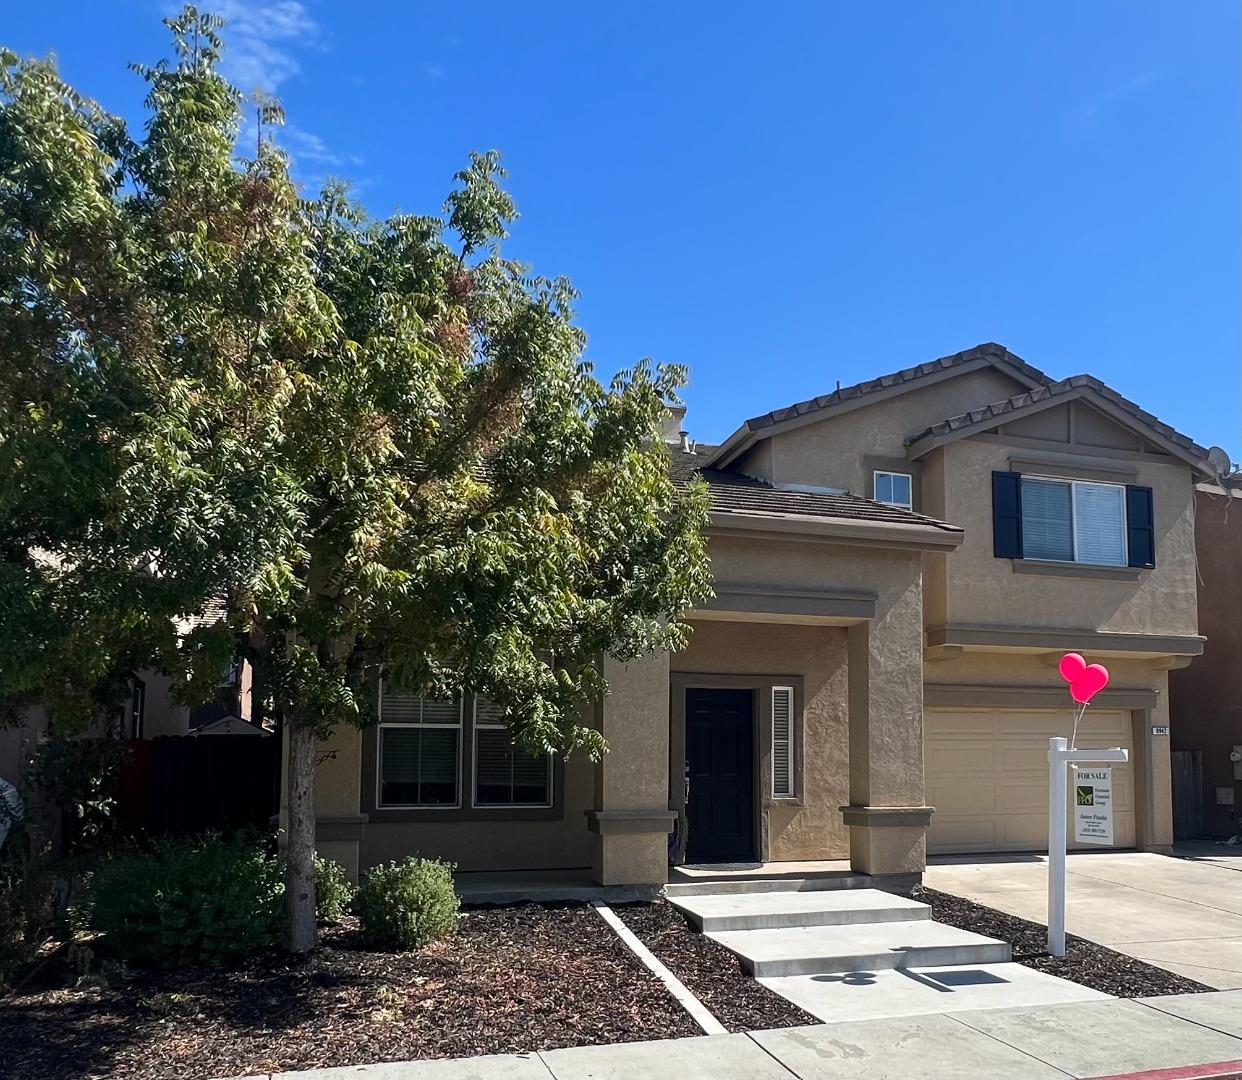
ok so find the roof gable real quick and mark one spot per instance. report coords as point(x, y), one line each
point(873, 391)
point(1119, 409)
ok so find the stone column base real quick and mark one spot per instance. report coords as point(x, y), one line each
point(888, 840)
point(631, 846)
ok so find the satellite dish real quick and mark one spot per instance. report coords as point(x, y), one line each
point(1218, 458)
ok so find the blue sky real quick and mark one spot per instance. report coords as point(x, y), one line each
point(787, 195)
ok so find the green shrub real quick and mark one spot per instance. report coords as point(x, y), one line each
point(407, 904)
point(191, 901)
point(333, 892)
point(27, 906)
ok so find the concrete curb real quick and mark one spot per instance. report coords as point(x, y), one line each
point(692, 1005)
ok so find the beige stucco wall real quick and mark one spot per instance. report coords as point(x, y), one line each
point(495, 844)
point(831, 453)
point(1161, 601)
point(884, 695)
point(817, 654)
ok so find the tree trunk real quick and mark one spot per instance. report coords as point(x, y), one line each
point(300, 851)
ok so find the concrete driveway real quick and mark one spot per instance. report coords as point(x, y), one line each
point(1182, 913)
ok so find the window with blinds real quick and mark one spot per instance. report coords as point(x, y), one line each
point(782, 742)
point(503, 774)
point(1073, 521)
point(1047, 520)
point(419, 752)
point(1100, 524)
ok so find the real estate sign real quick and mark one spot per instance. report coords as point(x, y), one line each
point(1093, 806)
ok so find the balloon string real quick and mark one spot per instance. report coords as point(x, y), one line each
point(1074, 734)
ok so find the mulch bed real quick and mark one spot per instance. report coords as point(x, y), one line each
point(710, 971)
point(512, 979)
point(1084, 962)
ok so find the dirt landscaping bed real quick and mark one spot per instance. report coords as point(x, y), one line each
point(710, 972)
point(1084, 962)
point(512, 979)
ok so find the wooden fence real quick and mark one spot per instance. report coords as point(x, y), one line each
point(184, 784)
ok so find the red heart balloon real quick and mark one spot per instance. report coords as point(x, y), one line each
point(1071, 666)
point(1088, 683)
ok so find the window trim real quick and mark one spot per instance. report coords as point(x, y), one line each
point(873, 463)
point(908, 477)
point(380, 727)
point(475, 728)
point(1073, 485)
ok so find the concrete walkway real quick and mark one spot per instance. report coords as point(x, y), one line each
point(1181, 914)
point(1091, 1039)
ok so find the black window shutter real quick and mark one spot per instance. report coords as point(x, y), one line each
point(1007, 515)
point(1140, 526)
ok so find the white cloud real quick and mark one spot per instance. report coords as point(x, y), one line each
point(307, 147)
point(1120, 91)
point(260, 41)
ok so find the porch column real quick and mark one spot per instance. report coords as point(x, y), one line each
point(630, 816)
point(887, 817)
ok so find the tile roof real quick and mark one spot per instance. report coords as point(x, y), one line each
point(998, 410)
point(734, 492)
point(989, 351)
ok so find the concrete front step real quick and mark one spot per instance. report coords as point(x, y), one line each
point(811, 950)
point(734, 885)
point(775, 910)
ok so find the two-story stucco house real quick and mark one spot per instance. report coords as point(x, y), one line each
point(898, 565)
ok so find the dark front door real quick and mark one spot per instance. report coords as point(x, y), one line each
point(720, 758)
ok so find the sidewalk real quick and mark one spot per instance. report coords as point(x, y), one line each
point(1168, 1038)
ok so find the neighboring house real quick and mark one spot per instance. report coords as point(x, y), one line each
point(1206, 698)
point(898, 566)
point(150, 710)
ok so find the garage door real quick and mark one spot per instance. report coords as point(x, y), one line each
point(987, 776)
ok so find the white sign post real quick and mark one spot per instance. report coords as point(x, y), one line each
point(1059, 757)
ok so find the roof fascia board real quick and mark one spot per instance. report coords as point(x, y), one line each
point(834, 531)
point(745, 436)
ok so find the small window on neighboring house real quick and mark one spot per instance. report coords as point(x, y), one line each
point(419, 752)
point(894, 489)
point(503, 774)
point(782, 742)
point(137, 709)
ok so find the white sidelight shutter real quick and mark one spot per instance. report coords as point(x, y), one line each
point(782, 742)
point(1100, 524)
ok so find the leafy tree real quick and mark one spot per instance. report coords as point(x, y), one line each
point(376, 441)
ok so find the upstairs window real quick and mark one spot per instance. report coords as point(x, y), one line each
point(894, 489)
point(1079, 521)
point(1073, 521)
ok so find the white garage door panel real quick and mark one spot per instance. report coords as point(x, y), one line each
point(987, 776)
